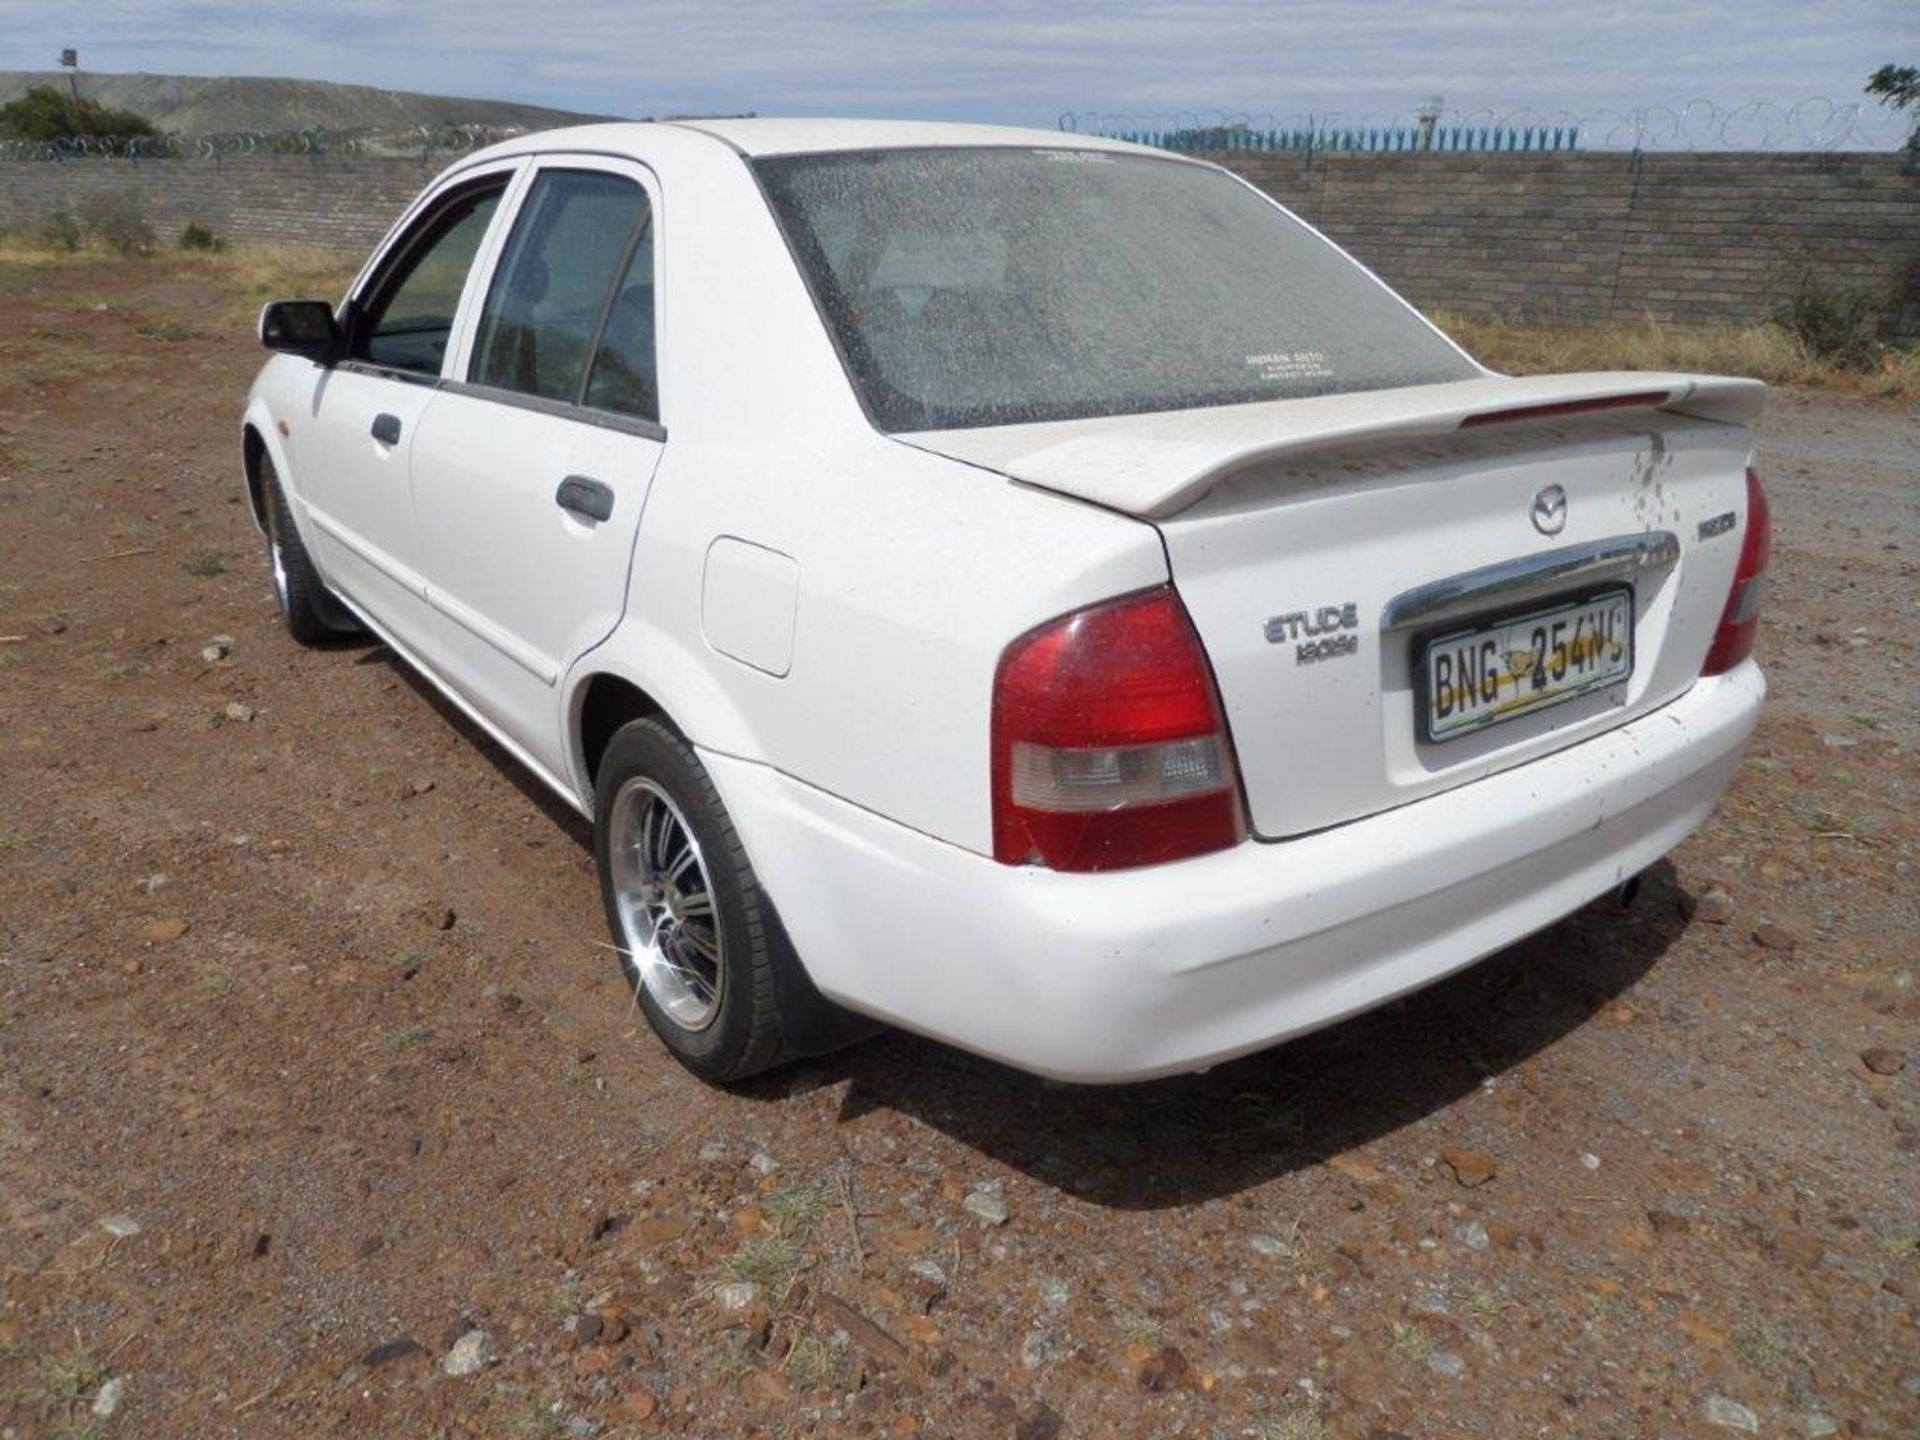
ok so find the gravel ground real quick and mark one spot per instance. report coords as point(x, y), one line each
point(322, 1112)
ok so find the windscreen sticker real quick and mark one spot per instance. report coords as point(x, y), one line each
point(1283, 365)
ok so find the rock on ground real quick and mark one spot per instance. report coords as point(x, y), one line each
point(1472, 1168)
point(987, 1204)
point(1730, 1415)
point(107, 1401)
point(471, 1353)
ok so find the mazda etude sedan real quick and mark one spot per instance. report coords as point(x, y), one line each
point(1026, 589)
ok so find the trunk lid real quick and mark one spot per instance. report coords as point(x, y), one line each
point(1319, 543)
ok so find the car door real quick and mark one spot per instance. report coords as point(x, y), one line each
point(531, 469)
point(352, 451)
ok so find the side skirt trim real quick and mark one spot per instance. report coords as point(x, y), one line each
point(406, 579)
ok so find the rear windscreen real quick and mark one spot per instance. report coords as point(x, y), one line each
point(977, 286)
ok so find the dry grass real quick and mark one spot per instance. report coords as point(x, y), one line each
point(813, 1365)
point(1296, 1424)
point(769, 1261)
point(71, 1379)
point(47, 368)
point(1765, 352)
point(1411, 1343)
point(403, 1039)
point(204, 564)
point(255, 274)
point(796, 1208)
point(249, 275)
point(21, 250)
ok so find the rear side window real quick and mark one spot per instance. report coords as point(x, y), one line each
point(622, 379)
point(565, 293)
point(984, 286)
point(408, 315)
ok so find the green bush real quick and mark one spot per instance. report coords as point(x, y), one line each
point(47, 112)
point(1899, 86)
point(60, 231)
point(199, 237)
point(117, 223)
point(1839, 326)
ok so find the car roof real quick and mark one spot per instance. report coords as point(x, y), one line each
point(777, 136)
point(755, 136)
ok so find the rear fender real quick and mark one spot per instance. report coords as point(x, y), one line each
point(679, 680)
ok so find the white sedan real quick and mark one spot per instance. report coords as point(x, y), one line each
point(1023, 588)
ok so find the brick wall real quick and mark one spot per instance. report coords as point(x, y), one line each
point(1684, 238)
point(345, 201)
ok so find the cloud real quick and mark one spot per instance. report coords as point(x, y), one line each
point(1000, 60)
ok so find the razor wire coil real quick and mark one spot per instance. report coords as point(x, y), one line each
point(415, 141)
point(1815, 123)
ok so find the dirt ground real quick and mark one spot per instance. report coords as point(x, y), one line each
point(311, 1061)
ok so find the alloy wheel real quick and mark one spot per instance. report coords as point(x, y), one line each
point(670, 929)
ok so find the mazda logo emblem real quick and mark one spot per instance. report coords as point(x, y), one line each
point(1549, 510)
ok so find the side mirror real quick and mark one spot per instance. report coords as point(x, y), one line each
point(301, 327)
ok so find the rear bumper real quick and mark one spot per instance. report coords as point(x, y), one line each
point(1124, 976)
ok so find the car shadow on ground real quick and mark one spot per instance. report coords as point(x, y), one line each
point(576, 827)
point(1195, 1138)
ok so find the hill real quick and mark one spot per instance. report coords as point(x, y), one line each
point(199, 105)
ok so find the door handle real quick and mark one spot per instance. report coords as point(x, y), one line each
point(386, 429)
point(585, 496)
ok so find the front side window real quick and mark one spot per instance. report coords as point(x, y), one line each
point(988, 286)
point(573, 295)
point(408, 317)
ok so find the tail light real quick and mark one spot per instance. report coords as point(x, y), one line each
point(1109, 749)
point(1740, 622)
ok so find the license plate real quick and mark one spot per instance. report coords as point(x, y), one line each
point(1482, 676)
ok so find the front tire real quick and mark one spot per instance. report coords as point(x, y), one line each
point(311, 613)
point(698, 939)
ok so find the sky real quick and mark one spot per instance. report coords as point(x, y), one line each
point(1002, 61)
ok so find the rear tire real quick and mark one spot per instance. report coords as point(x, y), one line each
point(698, 940)
point(313, 616)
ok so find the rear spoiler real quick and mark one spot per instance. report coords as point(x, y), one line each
point(1156, 465)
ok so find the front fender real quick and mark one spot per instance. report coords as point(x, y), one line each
point(257, 431)
point(260, 422)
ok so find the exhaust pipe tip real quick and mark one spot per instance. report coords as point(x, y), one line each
point(1628, 893)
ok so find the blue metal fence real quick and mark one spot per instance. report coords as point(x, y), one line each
point(1370, 139)
point(1813, 123)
